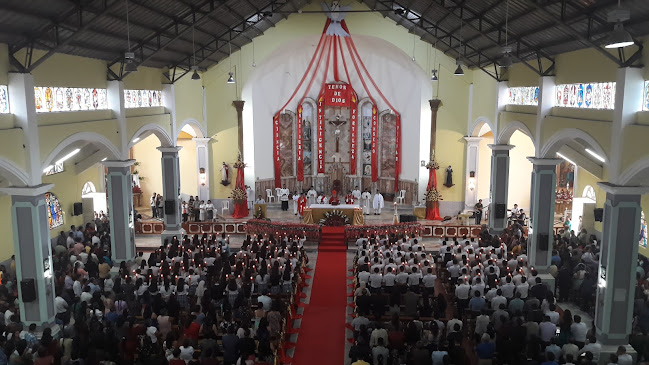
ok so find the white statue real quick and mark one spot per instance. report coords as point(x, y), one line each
point(336, 13)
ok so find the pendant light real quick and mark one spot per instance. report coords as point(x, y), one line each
point(506, 60)
point(129, 57)
point(619, 38)
point(434, 71)
point(414, 42)
point(195, 75)
point(230, 74)
point(458, 61)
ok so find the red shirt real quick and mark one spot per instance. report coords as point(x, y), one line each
point(191, 332)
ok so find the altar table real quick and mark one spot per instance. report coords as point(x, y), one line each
point(419, 212)
point(316, 212)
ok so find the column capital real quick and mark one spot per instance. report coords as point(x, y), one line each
point(470, 139)
point(174, 149)
point(500, 147)
point(545, 161)
point(27, 190)
point(238, 104)
point(435, 104)
point(621, 189)
point(118, 163)
point(202, 139)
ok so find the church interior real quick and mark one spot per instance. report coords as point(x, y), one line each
point(394, 182)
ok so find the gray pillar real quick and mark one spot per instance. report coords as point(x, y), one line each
point(120, 208)
point(499, 186)
point(33, 253)
point(544, 184)
point(616, 280)
point(171, 192)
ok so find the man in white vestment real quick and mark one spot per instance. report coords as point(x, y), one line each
point(365, 202)
point(295, 197)
point(377, 204)
point(250, 197)
point(311, 196)
point(357, 194)
point(283, 197)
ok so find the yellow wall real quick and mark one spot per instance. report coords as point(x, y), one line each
point(6, 227)
point(585, 178)
point(149, 157)
point(189, 100)
point(188, 167)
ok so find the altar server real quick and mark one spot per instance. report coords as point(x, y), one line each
point(201, 215)
point(349, 198)
point(377, 204)
point(295, 198)
point(209, 210)
point(366, 198)
point(311, 196)
point(283, 197)
point(357, 194)
point(250, 197)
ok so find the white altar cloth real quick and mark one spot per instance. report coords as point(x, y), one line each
point(339, 206)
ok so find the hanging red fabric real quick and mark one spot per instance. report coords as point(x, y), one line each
point(353, 106)
point(276, 158)
point(375, 123)
point(241, 207)
point(397, 154)
point(300, 160)
point(432, 207)
point(320, 134)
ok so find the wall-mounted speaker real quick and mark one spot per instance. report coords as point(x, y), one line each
point(28, 290)
point(500, 212)
point(78, 209)
point(544, 241)
point(599, 214)
point(170, 206)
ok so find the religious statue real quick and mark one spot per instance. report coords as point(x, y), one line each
point(225, 174)
point(449, 177)
point(337, 123)
point(337, 14)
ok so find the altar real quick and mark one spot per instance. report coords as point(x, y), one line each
point(316, 212)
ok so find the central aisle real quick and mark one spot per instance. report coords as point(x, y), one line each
point(321, 338)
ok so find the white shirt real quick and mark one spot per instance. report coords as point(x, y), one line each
point(497, 301)
point(283, 194)
point(356, 193)
point(376, 280)
point(61, 305)
point(250, 195)
point(462, 291)
point(388, 279)
point(579, 331)
point(429, 280)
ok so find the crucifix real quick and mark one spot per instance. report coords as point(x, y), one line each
point(337, 123)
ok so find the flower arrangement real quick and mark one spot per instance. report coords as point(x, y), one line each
point(255, 226)
point(432, 164)
point(433, 195)
point(354, 232)
point(238, 195)
point(334, 218)
point(239, 164)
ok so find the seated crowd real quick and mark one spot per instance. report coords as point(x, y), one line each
point(193, 301)
point(502, 310)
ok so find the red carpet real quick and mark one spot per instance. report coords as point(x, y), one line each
point(321, 339)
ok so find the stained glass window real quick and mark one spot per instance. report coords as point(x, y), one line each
point(4, 99)
point(586, 96)
point(645, 100)
point(526, 95)
point(142, 98)
point(54, 169)
point(69, 99)
point(643, 231)
point(54, 211)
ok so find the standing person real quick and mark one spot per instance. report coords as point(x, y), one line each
point(185, 210)
point(201, 213)
point(357, 194)
point(160, 206)
point(209, 210)
point(301, 204)
point(152, 202)
point(295, 198)
point(250, 197)
point(190, 208)
point(197, 209)
point(283, 197)
point(311, 195)
point(377, 204)
point(478, 211)
point(366, 198)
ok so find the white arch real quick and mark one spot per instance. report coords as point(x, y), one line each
point(638, 169)
point(589, 192)
point(477, 124)
point(157, 130)
point(558, 139)
point(198, 128)
point(15, 175)
point(83, 137)
point(88, 187)
point(510, 129)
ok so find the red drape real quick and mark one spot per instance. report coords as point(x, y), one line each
point(240, 209)
point(432, 208)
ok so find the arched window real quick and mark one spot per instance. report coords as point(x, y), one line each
point(54, 211)
point(589, 193)
point(88, 188)
point(643, 230)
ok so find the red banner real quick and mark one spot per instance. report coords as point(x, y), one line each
point(320, 132)
point(352, 133)
point(397, 157)
point(278, 180)
point(375, 128)
point(337, 94)
point(300, 161)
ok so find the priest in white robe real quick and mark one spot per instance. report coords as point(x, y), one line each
point(378, 202)
point(357, 194)
point(295, 197)
point(311, 196)
point(366, 199)
point(250, 197)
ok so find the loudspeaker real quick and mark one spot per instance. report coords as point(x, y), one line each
point(28, 290)
point(544, 239)
point(599, 214)
point(78, 209)
point(170, 206)
point(500, 212)
point(407, 218)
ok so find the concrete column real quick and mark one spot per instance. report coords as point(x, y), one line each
point(23, 107)
point(120, 208)
point(544, 184)
point(203, 162)
point(33, 253)
point(171, 191)
point(499, 186)
point(544, 108)
point(618, 256)
point(434, 108)
point(115, 98)
point(472, 164)
point(629, 88)
point(238, 105)
point(169, 103)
